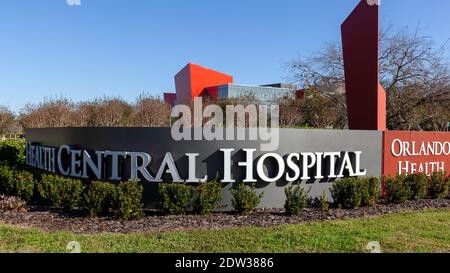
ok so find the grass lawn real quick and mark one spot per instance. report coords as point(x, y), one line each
point(427, 231)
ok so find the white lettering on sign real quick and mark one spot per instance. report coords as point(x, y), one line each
point(134, 166)
point(405, 148)
point(415, 150)
point(406, 167)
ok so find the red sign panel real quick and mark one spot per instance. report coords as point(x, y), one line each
point(416, 152)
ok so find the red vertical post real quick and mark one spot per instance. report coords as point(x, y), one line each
point(366, 98)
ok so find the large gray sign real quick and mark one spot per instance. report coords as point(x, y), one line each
point(317, 158)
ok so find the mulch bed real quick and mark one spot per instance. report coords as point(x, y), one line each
point(77, 222)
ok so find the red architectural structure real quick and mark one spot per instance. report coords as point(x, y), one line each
point(413, 152)
point(197, 81)
point(193, 79)
point(404, 152)
point(366, 98)
point(170, 98)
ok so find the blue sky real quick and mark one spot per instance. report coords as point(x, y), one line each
point(126, 48)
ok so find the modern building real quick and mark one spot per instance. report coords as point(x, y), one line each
point(197, 81)
point(263, 94)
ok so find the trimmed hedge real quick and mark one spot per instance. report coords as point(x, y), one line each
point(352, 192)
point(417, 184)
point(322, 202)
point(12, 153)
point(125, 200)
point(346, 193)
point(439, 185)
point(175, 198)
point(207, 196)
point(397, 190)
point(128, 203)
point(17, 183)
point(245, 199)
point(296, 199)
point(60, 192)
point(370, 191)
point(178, 198)
point(99, 199)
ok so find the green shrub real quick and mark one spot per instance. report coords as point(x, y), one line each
point(417, 184)
point(99, 199)
point(12, 152)
point(397, 190)
point(17, 183)
point(323, 203)
point(347, 193)
point(245, 199)
point(296, 199)
point(61, 192)
point(128, 200)
point(175, 198)
point(439, 184)
point(6, 178)
point(207, 196)
point(370, 190)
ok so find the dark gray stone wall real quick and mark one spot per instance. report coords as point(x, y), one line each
point(158, 141)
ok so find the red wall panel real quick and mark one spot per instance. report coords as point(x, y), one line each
point(413, 152)
point(193, 79)
point(183, 85)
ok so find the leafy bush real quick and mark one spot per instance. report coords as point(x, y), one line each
point(207, 196)
point(6, 178)
point(347, 193)
point(128, 203)
point(370, 190)
point(296, 199)
point(397, 190)
point(17, 183)
point(245, 199)
point(175, 197)
point(12, 152)
point(60, 191)
point(417, 184)
point(12, 203)
point(322, 202)
point(99, 199)
point(439, 184)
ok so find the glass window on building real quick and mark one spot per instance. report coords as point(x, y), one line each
point(266, 95)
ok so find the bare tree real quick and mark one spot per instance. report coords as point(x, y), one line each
point(58, 112)
point(413, 71)
point(151, 112)
point(6, 120)
point(105, 112)
point(87, 114)
point(291, 114)
point(416, 77)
